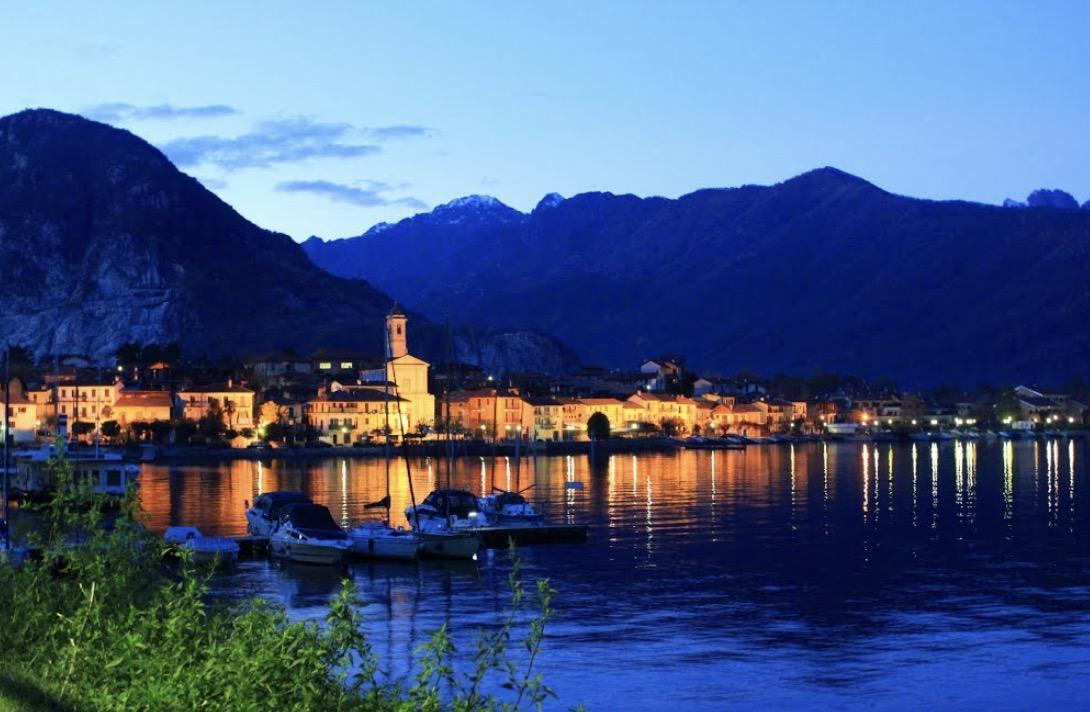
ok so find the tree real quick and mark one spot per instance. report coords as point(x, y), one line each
point(671, 426)
point(128, 354)
point(159, 429)
point(211, 423)
point(598, 426)
point(81, 428)
point(111, 429)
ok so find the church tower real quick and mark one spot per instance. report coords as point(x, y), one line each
point(397, 340)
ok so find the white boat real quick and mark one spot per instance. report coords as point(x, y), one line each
point(377, 540)
point(448, 544)
point(306, 534)
point(446, 523)
point(457, 509)
point(203, 549)
point(261, 518)
point(507, 508)
point(104, 472)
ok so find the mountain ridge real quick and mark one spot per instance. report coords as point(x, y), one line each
point(822, 271)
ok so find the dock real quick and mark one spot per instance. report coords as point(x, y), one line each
point(532, 535)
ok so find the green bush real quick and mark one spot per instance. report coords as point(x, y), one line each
point(104, 625)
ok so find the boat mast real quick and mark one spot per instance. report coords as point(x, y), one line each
point(386, 423)
point(7, 410)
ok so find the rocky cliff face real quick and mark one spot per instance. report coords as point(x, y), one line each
point(823, 271)
point(103, 240)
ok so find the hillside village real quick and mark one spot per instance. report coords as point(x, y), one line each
point(346, 399)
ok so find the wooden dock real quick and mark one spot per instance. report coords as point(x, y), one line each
point(532, 535)
point(252, 546)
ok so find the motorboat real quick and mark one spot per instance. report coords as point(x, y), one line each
point(506, 508)
point(446, 522)
point(378, 540)
point(306, 533)
point(261, 518)
point(202, 549)
point(457, 509)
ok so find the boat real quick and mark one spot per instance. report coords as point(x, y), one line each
point(106, 473)
point(438, 541)
point(507, 508)
point(378, 540)
point(203, 549)
point(306, 533)
point(261, 518)
point(457, 509)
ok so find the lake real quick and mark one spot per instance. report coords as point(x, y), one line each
point(839, 575)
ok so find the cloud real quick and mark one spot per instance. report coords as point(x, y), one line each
point(398, 131)
point(118, 111)
point(270, 142)
point(369, 196)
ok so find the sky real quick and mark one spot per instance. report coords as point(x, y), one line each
point(326, 118)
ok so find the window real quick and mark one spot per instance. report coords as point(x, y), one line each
point(346, 364)
point(325, 365)
point(399, 329)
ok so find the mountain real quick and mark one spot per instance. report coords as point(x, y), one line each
point(103, 240)
point(822, 271)
point(1047, 198)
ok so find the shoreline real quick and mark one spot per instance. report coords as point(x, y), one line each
point(187, 454)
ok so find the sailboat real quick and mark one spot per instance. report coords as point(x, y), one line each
point(441, 533)
point(378, 539)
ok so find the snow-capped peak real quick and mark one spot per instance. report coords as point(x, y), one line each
point(550, 201)
point(473, 201)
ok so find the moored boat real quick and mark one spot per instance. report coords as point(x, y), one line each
point(306, 533)
point(262, 518)
point(203, 549)
point(506, 508)
point(377, 540)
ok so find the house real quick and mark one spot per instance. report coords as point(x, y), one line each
point(489, 412)
point(345, 416)
point(1040, 406)
point(548, 418)
point(21, 425)
point(269, 367)
point(86, 400)
point(236, 403)
point(661, 409)
point(143, 407)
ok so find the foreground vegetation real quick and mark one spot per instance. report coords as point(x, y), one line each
point(105, 626)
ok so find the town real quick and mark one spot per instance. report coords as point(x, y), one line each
point(332, 398)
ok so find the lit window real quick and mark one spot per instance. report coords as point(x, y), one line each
point(346, 364)
point(326, 365)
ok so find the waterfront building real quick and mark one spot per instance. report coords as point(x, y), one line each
point(144, 407)
point(490, 413)
point(87, 400)
point(346, 415)
point(663, 408)
point(548, 418)
point(21, 425)
point(235, 402)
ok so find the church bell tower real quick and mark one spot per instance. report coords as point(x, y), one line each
point(397, 342)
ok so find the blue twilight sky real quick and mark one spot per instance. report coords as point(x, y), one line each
point(329, 117)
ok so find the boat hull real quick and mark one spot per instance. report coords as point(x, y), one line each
point(303, 552)
point(456, 545)
point(379, 546)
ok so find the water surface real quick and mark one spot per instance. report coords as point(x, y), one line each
point(815, 575)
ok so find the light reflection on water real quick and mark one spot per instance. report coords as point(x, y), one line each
point(808, 575)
